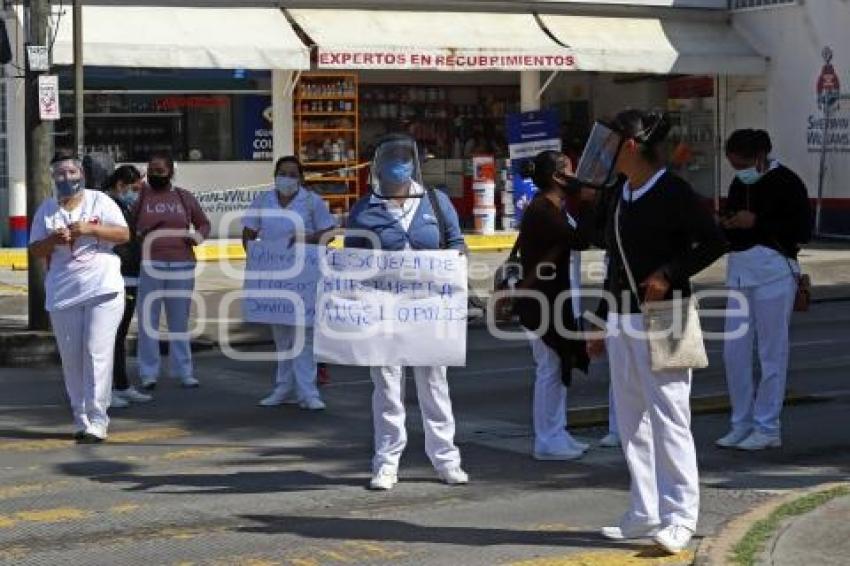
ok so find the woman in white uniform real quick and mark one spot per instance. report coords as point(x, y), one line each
point(767, 217)
point(269, 219)
point(402, 217)
point(667, 236)
point(75, 232)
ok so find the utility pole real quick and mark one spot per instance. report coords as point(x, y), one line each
point(79, 108)
point(38, 147)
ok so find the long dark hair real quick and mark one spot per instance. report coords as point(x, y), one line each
point(543, 167)
point(648, 129)
point(749, 143)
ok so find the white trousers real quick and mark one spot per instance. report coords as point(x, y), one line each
point(612, 411)
point(298, 373)
point(654, 420)
point(549, 411)
point(757, 403)
point(177, 309)
point(85, 336)
point(388, 416)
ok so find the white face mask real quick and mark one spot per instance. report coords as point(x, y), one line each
point(287, 186)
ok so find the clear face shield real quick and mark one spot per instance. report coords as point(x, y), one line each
point(395, 168)
point(597, 165)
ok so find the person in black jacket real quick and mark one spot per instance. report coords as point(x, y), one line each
point(550, 241)
point(123, 186)
point(766, 218)
point(668, 235)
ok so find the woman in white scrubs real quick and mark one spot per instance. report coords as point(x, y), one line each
point(74, 231)
point(270, 218)
point(767, 217)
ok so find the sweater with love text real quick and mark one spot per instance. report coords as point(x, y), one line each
point(163, 219)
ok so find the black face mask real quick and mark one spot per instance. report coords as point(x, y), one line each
point(159, 182)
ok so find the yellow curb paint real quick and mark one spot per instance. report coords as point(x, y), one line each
point(303, 562)
point(228, 250)
point(16, 552)
point(648, 557)
point(6, 522)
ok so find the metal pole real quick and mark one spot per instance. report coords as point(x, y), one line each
point(822, 172)
point(79, 112)
point(39, 145)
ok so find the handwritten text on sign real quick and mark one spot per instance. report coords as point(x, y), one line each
point(379, 308)
point(280, 283)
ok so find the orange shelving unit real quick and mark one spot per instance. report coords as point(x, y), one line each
point(327, 135)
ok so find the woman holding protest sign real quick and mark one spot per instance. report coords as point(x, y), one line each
point(658, 235)
point(75, 232)
point(401, 214)
point(290, 213)
point(550, 240)
point(170, 223)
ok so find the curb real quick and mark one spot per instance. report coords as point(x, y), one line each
point(588, 417)
point(231, 250)
point(714, 550)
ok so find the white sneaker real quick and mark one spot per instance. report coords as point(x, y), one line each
point(674, 539)
point(94, 434)
point(759, 441)
point(610, 440)
point(133, 395)
point(189, 382)
point(453, 476)
point(280, 396)
point(314, 404)
point(571, 453)
point(630, 532)
point(148, 383)
point(118, 402)
point(733, 438)
point(384, 480)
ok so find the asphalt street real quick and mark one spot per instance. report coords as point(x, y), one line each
point(207, 477)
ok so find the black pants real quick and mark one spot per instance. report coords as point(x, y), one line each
point(120, 382)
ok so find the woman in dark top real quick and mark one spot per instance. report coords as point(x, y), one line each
point(123, 186)
point(549, 242)
point(668, 236)
point(767, 217)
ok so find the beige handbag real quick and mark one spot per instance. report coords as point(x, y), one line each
point(673, 327)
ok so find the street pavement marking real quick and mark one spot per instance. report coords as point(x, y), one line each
point(347, 552)
point(649, 557)
point(58, 515)
point(134, 437)
point(8, 492)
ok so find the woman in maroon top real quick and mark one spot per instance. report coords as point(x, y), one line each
point(170, 223)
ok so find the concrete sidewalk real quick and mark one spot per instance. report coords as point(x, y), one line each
point(821, 537)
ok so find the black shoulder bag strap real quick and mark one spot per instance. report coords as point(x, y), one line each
point(438, 212)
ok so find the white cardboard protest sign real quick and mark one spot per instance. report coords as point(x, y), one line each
point(380, 308)
point(275, 274)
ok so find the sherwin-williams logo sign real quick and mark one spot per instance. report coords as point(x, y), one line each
point(828, 127)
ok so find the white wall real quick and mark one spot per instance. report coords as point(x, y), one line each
point(793, 37)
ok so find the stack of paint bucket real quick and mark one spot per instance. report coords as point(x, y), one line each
point(484, 191)
point(507, 196)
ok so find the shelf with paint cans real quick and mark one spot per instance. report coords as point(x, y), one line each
point(327, 135)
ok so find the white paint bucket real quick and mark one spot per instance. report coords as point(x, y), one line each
point(485, 219)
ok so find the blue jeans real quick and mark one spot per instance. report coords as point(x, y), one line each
point(181, 283)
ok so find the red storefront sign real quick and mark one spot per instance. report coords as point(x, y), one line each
point(445, 60)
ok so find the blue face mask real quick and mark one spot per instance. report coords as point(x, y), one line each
point(396, 172)
point(287, 186)
point(749, 176)
point(129, 198)
point(68, 188)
